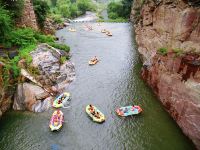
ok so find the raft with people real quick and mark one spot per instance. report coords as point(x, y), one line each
point(72, 30)
point(61, 100)
point(93, 61)
point(103, 31)
point(95, 114)
point(108, 33)
point(129, 110)
point(56, 121)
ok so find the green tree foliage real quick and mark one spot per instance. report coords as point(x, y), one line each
point(53, 2)
point(14, 6)
point(41, 9)
point(5, 24)
point(126, 6)
point(84, 5)
point(74, 10)
point(119, 9)
point(71, 8)
point(22, 37)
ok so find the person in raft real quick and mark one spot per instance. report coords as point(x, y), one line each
point(133, 107)
point(55, 121)
point(94, 59)
point(97, 115)
point(61, 99)
point(58, 115)
point(91, 109)
point(126, 110)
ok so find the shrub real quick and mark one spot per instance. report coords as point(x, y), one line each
point(113, 15)
point(43, 38)
point(57, 18)
point(60, 46)
point(126, 6)
point(85, 5)
point(53, 2)
point(22, 37)
point(41, 9)
point(114, 9)
point(120, 9)
point(24, 53)
point(65, 10)
point(162, 51)
point(14, 66)
point(62, 59)
point(73, 10)
point(178, 51)
point(5, 24)
point(15, 7)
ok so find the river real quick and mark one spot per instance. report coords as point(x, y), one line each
point(115, 81)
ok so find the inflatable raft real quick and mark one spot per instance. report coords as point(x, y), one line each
point(56, 121)
point(108, 33)
point(103, 31)
point(60, 100)
point(99, 119)
point(92, 62)
point(129, 110)
point(72, 30)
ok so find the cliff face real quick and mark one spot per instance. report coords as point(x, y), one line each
point(28, 18)
point(5, 94)
point(175, 75)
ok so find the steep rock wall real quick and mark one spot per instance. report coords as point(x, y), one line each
point(175, 76)
point(28, 18)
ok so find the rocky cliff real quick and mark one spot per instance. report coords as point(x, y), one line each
point(168, 38)
point(28, 18)
point(38, 82)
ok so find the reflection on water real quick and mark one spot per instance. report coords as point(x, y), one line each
point(113, 82)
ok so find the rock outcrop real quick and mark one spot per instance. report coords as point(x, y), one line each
point(6, 91)
point(28, 18)
point(52, 78)
point(50, 26)
point(29, 97)
point(174, 75)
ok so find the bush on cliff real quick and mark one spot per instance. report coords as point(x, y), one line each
point(162, 51)
point(15, 7)
point(5, 24)
point(22, 37)
point(59, 46)
point(41, 9)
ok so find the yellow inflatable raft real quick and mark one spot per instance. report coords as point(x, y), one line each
point(92, 62)
point(99, 119)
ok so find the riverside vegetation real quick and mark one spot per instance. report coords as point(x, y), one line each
point(25, 40)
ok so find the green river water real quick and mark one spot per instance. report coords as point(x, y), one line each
point(115, 81)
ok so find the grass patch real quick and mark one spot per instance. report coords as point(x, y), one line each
point(178, 51)
point(60, 46)
point(162, 51)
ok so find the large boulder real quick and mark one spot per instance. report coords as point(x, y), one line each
point(52, 78)
point(27, 96)
point(52, 72)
